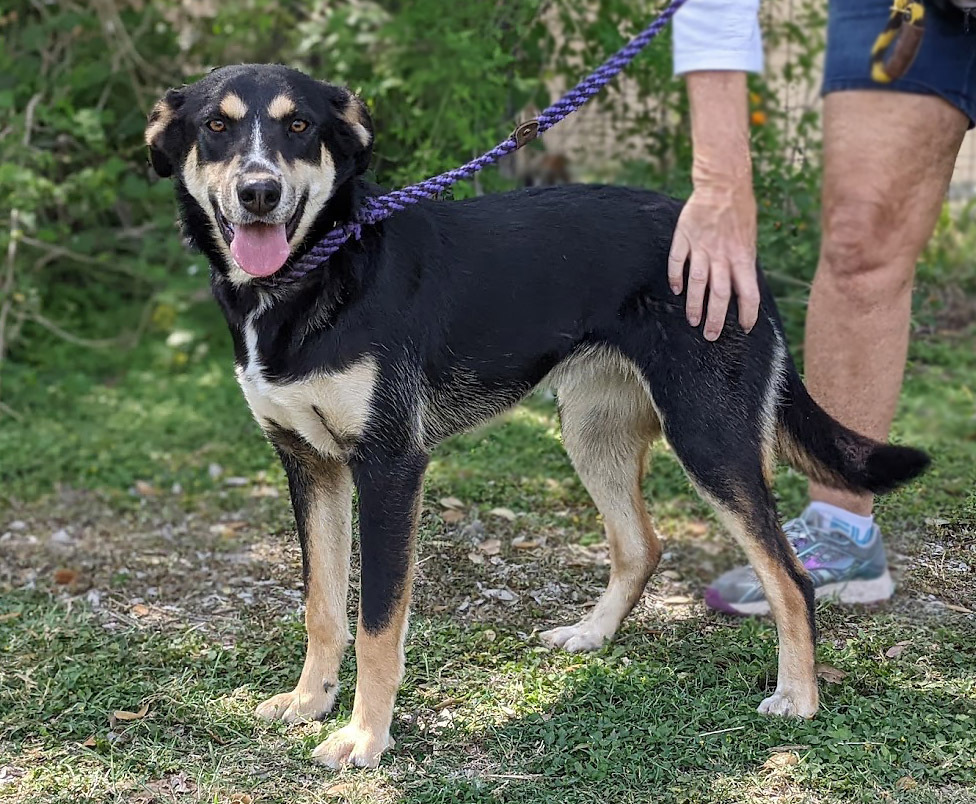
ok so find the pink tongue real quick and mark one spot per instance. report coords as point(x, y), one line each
point(259, 249)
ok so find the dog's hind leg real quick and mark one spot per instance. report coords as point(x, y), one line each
point(718, 415)
point(321, 493)
point(751, 517)
point(389, 510)
point(607, 424)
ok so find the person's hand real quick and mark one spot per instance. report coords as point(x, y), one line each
point(716, 232)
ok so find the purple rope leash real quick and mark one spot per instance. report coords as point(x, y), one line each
point(378, 208)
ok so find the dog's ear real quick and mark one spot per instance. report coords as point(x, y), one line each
point(356, 133)
point(165, 132)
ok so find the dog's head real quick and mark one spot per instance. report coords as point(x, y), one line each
point(258, 152)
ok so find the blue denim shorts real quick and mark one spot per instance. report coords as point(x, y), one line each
point(945, 65)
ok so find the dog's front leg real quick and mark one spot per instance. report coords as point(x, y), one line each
point(321, 494)
point(389, 506)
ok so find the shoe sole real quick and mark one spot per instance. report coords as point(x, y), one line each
point(857, 592)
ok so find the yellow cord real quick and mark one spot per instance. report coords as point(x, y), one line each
point(902, 31)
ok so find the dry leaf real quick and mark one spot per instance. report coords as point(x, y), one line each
point(521, 543)
point(240, 798)
point(452, 516)
point(906, 783)
point(504, 595)
point(177, 783)
point(9, 774)
point(90, 742)
point(139, 610)
point(339, 790)
point(10, 615)
point(897, 649)
point(490, 547)
point(227, 529)
point(144, 489)
point(476, 558)
point(121, 714)
point(960, 609)
point(451, 502)
point(490, 635)
point(65, 576)
point(504, 513)
point(676, 600)
point(831, 675)
point(780, 760)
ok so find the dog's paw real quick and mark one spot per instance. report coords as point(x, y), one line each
point(577, 638)
point(298, 707)
point(352, 745)
point(789, 705)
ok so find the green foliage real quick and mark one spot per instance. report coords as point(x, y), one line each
point(105, 326)
point(95, 250)
point(444, 82)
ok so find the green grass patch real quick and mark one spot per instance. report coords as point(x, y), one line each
point(489, 715)
point(666, 714)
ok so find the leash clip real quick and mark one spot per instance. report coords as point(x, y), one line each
point(526, 132)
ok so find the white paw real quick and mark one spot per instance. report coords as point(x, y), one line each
point(787, 705)
point(298, 707)
point(575, 638)
point(352, 745)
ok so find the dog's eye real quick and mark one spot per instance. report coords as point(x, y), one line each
point(298, 126)
point(217, 126)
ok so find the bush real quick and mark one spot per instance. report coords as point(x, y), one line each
point(92, 256)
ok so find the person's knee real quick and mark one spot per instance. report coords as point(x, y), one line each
point(865, 256)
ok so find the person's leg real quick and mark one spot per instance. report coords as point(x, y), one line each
point(888, 159)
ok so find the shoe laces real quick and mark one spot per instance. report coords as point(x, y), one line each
point(799, 533)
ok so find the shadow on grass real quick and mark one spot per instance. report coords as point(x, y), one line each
point(672, 719)
point(485, 715)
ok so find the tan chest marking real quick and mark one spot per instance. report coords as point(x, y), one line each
point(329, 411)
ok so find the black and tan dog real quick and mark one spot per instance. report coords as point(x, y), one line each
point(447, 314)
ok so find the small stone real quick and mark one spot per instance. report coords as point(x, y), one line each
point(61, 537)
point(473, 531)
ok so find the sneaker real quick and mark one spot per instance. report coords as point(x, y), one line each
point(842, 569)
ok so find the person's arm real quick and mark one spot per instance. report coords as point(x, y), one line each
point(715, 43)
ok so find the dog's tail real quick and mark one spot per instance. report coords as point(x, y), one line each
point(814, 443)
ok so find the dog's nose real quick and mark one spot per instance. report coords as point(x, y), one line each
point(260, 196)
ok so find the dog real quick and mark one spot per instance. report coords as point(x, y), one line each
point(443, 316)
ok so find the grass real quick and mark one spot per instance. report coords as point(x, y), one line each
point(182, 591)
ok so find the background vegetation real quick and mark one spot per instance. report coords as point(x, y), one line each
point(137, 497)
